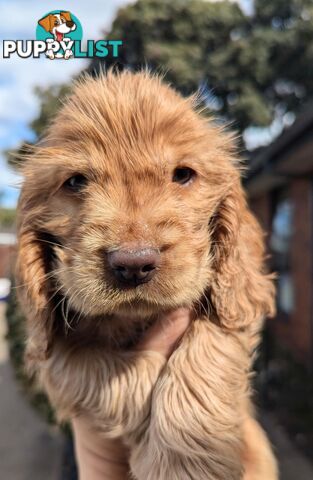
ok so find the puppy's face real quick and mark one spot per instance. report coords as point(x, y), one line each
point(60, 24)
point(123, 193)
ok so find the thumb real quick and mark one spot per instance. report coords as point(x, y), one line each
point(164, 335)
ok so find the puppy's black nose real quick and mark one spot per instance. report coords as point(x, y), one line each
point(133, 267)
point(69, 23)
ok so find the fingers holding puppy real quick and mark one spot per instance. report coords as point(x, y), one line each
point(165, 334)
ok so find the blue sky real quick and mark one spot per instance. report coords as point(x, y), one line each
point(18, 77)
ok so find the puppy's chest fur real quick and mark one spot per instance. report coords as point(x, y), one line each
point(111, 331)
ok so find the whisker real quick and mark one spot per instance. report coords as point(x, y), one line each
point(45, 276)
point(55, 244)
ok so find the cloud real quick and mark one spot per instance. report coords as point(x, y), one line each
point(18, 77)
point(17, 97)
point(94, 15)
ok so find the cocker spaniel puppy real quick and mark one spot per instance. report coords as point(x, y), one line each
point(132, 206)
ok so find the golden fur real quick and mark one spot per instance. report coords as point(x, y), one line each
point(190, 417)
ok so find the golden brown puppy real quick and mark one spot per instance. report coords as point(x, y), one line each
point(131, 207)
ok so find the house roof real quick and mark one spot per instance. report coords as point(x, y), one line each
point(290, 154)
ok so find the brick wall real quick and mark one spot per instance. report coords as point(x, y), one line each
point(295, 332)
point(6, 260)
point(261, 207)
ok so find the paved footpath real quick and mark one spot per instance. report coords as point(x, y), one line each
point(29, 450)
point(293, 464)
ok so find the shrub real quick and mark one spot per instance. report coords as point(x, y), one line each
point(16, 338)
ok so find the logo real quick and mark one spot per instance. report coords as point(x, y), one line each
point(59, 35)
point(59, 30)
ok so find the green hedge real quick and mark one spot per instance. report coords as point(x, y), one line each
point(7, 217)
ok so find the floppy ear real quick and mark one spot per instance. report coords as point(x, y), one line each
point(34, 288)
point(46, 22)
point(66, 15)
point(241, 292)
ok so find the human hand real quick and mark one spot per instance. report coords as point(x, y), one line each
point(164, 336)
point(107, 459)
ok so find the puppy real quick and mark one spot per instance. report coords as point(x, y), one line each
point(131, 207)
point(58, 25)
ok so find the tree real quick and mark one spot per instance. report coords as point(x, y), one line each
point(50, 101)
point(251, 69)
point(190, 41)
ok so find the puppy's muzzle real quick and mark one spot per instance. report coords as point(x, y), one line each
point(134, 267)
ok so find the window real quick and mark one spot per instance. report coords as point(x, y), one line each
point(280, 243)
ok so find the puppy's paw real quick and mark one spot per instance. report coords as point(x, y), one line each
point(68, 54)
point(50, 54)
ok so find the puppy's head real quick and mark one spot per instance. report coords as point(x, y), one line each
point(132, 205)
point(57, 24)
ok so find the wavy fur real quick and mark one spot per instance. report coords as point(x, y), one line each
point(190, 417)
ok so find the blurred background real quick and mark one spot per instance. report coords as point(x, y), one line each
point(253, 63)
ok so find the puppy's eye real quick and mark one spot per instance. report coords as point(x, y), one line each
point(75, 183)
point(183, 175)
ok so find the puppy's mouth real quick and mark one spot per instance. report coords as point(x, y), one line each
point(59, 36)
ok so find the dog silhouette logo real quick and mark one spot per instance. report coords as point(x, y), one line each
point(59, 29)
